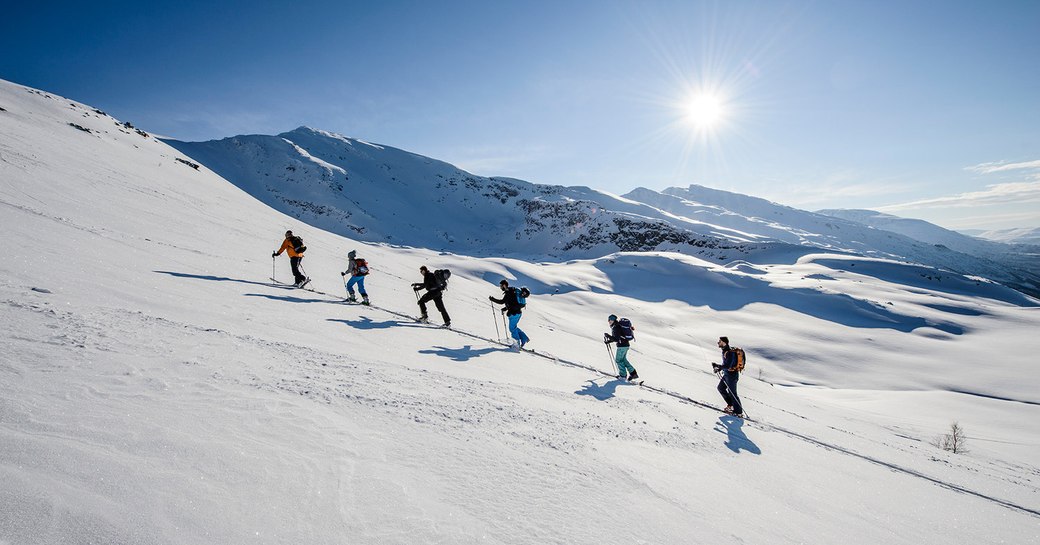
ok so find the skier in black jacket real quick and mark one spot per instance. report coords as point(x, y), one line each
point(514, 311)
point(433, 293)
point(621, 334)
point(730, 376)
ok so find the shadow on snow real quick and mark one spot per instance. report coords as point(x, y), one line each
point(465, 353)
point(735, 438)
point(221, 279)
point(365, 322)
point(601, 392)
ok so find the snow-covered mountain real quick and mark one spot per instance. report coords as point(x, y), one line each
point(157, 387)
point(382, 194)
point(916, 229)
point(1025, 236)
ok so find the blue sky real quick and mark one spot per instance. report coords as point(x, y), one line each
point(921, 109)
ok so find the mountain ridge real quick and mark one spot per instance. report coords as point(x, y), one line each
point(380, 193)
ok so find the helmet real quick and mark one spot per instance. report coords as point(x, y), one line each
point(352, 253)
point(612, 318)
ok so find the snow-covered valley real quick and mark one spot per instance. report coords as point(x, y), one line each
point(157, 387)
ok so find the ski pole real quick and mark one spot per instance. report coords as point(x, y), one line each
point(613, 362)
point(505, 329)
point(494, 317)
point(272, 269)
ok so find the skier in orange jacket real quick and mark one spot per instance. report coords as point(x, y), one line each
point(293, 245)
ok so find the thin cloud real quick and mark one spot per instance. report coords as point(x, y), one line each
point(990, 168)
point(498, 161)
point(810, 195)
point(1009, 193)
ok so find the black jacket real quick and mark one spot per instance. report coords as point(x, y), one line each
point(429, 283)
point(615, 335)
point(509, 300)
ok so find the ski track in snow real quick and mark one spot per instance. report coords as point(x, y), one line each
point(763, 425)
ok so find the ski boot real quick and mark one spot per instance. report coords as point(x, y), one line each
point(364, 300)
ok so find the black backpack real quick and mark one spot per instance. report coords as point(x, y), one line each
point(442, 276)
point(297, 244)
point(627, 329)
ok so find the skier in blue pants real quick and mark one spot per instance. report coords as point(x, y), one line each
point(514, 311)
point(357, 269)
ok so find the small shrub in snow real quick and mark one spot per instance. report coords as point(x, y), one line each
point(955, 441)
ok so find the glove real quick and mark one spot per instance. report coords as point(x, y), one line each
point(607, 339)
point(716, 367)
point(416, 287)
point(342, 274)
point(491, 298)
point(274, 254)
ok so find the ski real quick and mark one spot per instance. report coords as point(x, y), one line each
point(286, 285)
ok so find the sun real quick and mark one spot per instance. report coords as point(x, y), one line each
point(704, 111)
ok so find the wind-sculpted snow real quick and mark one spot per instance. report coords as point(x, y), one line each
point(851, 231)
point(158, 388)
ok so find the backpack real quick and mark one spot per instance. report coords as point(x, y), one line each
point(627, 329)
point(442, 276)
point(521, 296)
point(297, 244)
point(740, 359)
point(361, 266)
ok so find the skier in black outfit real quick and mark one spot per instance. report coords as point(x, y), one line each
point(433, 293)
point(730, 375)
point(514, 311)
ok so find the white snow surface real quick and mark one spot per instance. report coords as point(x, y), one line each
point(158, 388)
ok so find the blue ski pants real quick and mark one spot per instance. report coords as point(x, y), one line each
point(515, 332)
point(360, 281)
point(621, 359)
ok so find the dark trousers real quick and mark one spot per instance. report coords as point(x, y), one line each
point(728, 389)
point(294, 262)
point(434, 296)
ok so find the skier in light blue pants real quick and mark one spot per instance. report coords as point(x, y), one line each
point(357, 269)
point(514, 310)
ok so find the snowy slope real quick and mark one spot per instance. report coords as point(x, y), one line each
point(157, 388)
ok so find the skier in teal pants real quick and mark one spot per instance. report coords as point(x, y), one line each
point(621, 332)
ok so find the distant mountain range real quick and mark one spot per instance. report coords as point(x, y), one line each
point(1008, 236)
point(379, 193)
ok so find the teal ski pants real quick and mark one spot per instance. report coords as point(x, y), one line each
point(621, 358)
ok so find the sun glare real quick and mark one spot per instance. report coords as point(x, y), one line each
point(704, 111)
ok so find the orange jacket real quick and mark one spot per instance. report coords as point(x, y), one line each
point(288, 248)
